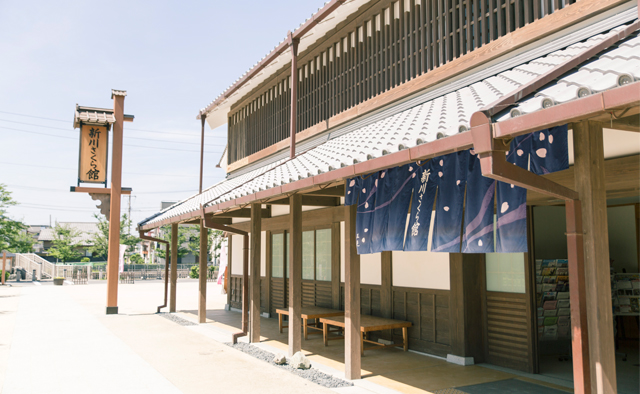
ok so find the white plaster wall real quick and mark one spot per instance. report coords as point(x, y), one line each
point(240, 220)
point(236, 254)
point(263, 253)
point(371, 269)
point(310, 208)
point(279, 210)
point(342, 252)
point(424, 270)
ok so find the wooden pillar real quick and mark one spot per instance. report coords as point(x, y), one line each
point(386, 295)
point(352, 335)
point(467, 278)
point(113, 254)
point(202, 279)
point(268, 271)
point(174, 267)
point(335, 265)
point(254, 289)
point(577, 293)
point(295, 273)
point(590, 184)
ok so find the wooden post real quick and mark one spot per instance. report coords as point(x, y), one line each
point(335, 265)
point(590, 184)
point(4, 262)
point(577, 290)
point(227, 276)
point(268, 271)
point(174, 267)
point(293, 45)
point(254, 290)
point(202, 279)
point(114, 214)
point(352, 335)
point(386, 296)
point(295, 273)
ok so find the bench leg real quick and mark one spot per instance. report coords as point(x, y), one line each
point(405, 338)
point(304, 324)
point(280, 322)
point(325, 333)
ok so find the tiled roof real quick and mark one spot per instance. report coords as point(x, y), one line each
point(439, 117)
point(93, 115)
point(87, 230)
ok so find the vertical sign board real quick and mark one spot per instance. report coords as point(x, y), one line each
point(94, 141)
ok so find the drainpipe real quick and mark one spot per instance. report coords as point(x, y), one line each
point(208, 223)
point(166, 265)
point(491, 152)
point(293, 44)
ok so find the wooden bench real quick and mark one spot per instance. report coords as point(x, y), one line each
point(307, 313)
point(367, 324)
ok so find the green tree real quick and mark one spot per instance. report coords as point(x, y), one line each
point(101, 237)
point(13, 233)
point(136, 259)
point(183, 239)
point(65, 246)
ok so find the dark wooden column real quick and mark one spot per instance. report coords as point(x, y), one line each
point(590, 184)
point(335, 265)
point(254, 289)
point(295, 273)
point(352, 336)
point(268, 271)
point(467, 278)
point(202, 281)
point(174, 267)
point(386, 293)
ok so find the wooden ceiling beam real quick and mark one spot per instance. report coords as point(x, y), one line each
point(242, 213)
point(310, 200)
point(337, 191)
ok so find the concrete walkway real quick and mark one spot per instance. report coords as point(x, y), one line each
point(58, 340)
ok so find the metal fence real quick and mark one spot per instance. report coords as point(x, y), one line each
point(141, 271)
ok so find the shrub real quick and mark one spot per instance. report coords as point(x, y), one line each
point(194, 272)
point(85, 260)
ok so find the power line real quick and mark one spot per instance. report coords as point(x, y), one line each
point(132, 145)
point(129, 128)
point(133, 138)
point(58, 190)
point(124, 172)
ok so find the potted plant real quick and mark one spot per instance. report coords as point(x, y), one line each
point(58, 281)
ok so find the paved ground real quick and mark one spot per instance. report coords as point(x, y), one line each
point(58, 340)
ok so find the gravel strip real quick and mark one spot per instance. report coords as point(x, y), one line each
point(311, 374)
point(177, 319)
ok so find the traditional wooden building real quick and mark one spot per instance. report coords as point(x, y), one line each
point(364, 87)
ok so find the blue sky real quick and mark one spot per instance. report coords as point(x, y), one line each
point(172, 57)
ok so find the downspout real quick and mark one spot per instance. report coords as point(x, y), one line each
point(491, 153)
point(166, 264)
point(208, 223)
point(293, 44)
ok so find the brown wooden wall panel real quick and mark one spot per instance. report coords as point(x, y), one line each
point(508, 341)
point(278, 295)
point(236, 291)
point(389, 44)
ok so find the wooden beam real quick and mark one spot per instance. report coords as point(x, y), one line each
point(352, 335)
point(97, 190)
point(202, 279)
point(590, 183)
point(316, 201)
point(295, 274)
point(311, 218)
point(174, 267)
point(254, 289)
point(386, 292)
point(242, 213)
point(337, 191)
